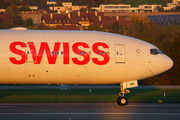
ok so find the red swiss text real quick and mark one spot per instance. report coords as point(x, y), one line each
point(52, 56)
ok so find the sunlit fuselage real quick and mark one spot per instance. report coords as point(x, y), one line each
point(76, 57)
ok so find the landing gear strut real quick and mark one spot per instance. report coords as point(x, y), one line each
point(122, 100)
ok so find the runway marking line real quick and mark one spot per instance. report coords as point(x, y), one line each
point(89, 113)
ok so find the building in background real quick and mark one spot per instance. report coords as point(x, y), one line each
point(172, 5)
point(176, 2)
point(81, 20)
point(63, 21)
point(2, 11)
point(33, 9)
point(149, 8)
point(113, 8)
point(66, 7)
point(51, 2)
point(127, 8)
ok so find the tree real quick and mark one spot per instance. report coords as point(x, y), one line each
point(18, 20)
point(94, 27)
point(105, 2)
point(174, 47)
point(118, 28)
point(59, 4)
point(29, 22)
point(7, 25)
point(5, 3)
point(3, 6)
point(115, 27)
point(172, 32)
point(92, 3)
point(25, 8)
point(167, 1)
point(143, 29)
point(152, 33)
point(54, 28)
point(17, 2)
point(147, 31)
point(135, 30)
point(174, 53)
point(43, 2)
point(177, 9)
point(161, 9)
point(9, 11)
point(42, 27)
point(83, 9)
point(115, 1)
point(138, 19)
point(11, 2)
point(15, 9)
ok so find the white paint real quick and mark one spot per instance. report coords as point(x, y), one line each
point(130, 84)
point(139, 63)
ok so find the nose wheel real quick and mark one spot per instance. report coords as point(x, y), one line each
point(122, 100)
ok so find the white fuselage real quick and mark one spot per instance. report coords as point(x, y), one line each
point(76, 57)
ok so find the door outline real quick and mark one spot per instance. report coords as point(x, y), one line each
point(120, 53)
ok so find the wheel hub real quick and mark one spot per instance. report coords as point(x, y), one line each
point(123, 101)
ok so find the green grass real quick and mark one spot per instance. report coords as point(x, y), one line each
point(83, 96)
point(136, 3)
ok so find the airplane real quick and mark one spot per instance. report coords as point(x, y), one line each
point(78, 57)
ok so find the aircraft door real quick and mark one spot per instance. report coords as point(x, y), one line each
point(120, 56)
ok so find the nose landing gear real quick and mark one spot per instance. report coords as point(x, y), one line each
point(122, 100)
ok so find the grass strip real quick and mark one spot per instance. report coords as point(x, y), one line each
point(84, 96)
point(136, 3)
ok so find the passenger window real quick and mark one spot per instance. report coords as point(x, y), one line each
point(89, 52)
point(57, 53)
point(28, 52)
point(103, 53)
point(107, 53)
point(99, 53)
point(117, 53)
point(61, 52)
point(52, 52)
point(80, 53)
point(85, 53)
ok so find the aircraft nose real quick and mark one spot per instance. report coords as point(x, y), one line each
point(169, 63)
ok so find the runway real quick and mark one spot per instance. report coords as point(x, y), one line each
point(89, 111)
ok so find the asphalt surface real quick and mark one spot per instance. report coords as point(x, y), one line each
point(90, 111)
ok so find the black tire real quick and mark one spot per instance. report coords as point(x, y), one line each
point(122, 101)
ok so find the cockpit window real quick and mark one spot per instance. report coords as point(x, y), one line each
point(155, 51)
